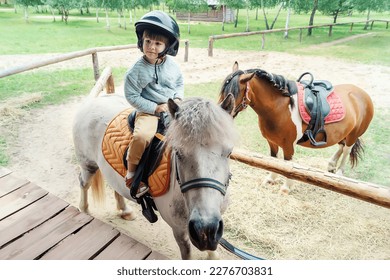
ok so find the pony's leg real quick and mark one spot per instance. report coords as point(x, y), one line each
point(212, 255)
point(271, 178)
point(126, 212)
point(184, 243)
point(332, 165)
point(346, 151)
point(85, 179)
point(285, 189)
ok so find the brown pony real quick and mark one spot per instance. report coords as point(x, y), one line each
point(281, 123)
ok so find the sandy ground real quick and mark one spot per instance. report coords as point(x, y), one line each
point(43, 150)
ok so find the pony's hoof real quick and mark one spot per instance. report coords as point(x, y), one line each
point(212, 255)
point(128, 216)
point(284, 190)
point(268, 181)
point(83, 208)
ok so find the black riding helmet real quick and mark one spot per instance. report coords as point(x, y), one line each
point(160, 22)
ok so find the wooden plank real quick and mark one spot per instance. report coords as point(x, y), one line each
point(156, 256)
point(4, 171)
point(9, 183)
point(30, 217)
point(19, 199)
point(85, 244)
point(33, 244)
point(124, 248)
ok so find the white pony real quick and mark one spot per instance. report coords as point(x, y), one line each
point(201, 137)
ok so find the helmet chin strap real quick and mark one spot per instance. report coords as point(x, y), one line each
point(160, 56)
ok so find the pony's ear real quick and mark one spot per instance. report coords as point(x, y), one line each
point(246, 77)
point(173, 108)
point(235, 67)
point(228, 103)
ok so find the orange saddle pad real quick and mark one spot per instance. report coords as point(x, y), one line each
point(115, 142)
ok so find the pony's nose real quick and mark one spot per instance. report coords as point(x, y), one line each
point(205, 235)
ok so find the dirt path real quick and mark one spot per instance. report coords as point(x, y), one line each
point(43, 150)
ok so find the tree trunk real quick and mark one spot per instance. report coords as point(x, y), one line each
point(189, 22)
point(336, 14)
point(223, 17)
point(97, 15)
point(235, 24)
point(277, 15)
point(265, 19)
point(368, 18)
point(107, 20)
point(315, 6)
point(287, 21)
point(52, 13)
point(26, 13)
point(247, 20)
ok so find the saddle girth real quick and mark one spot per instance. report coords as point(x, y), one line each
point(316, 93)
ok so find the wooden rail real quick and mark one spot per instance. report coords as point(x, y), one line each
point(368, 192)
point(68, 56)
point(213, 38)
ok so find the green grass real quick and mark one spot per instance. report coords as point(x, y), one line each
point(44, 36)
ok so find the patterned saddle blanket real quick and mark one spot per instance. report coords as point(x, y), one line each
point(336, 113)
point(114, 146)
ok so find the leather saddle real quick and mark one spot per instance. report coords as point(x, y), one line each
point(316, 93)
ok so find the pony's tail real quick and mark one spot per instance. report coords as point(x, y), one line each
point(356, 152)
point(97, 185)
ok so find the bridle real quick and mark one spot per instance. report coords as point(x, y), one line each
point(200, 182)
point(244, 102)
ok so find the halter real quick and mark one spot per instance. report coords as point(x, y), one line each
point(201, 182)
point(244, 103)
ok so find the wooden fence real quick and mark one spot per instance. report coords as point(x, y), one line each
point(72, 55)
point(369, 192)
point(213, 38)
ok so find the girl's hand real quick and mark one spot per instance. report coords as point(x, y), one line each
point(161, 108)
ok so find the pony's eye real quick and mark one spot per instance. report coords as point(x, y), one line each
point(179, 155)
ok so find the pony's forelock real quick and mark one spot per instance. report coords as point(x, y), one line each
point(200, 122)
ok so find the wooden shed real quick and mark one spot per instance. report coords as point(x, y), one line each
point(214, 13)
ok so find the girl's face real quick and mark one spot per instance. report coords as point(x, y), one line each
point(151, 48)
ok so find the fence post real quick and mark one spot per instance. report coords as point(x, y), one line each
point(300, 35)
point(330, 30)
point(95, 63)
point(211, 41)
point(350, 29)
point(186, 43)
point(372, 23)
point(262, 41)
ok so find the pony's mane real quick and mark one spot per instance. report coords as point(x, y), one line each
point(285, 86)
point(231, 83)
point(200, 122)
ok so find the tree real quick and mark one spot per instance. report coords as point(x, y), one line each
point(368, 6)
point(311, 21)
point(27, 3)
point(334, 7)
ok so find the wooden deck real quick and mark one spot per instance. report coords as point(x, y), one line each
point(35, 224)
